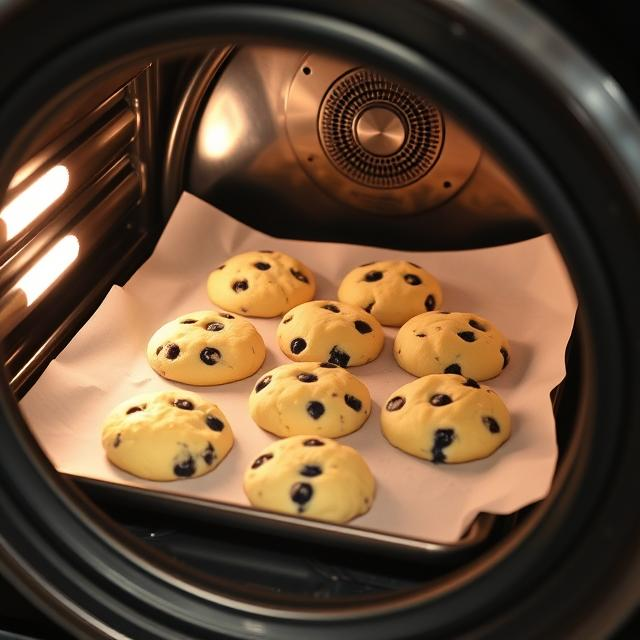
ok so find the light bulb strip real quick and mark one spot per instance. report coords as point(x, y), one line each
point(49, 268)
point(34, 200)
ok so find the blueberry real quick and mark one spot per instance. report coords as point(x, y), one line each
point(467, 336)
point(171, 351)
point(228, 316)
point(240, 285)
point(363, 327)
point(369, 307)
point(260, 460)
point(395, 403)
point(505, 357)
point(441, 438)
point(412, 279)
point(430, 303)
point(289, 319)
point(263, 383)
point(373, 276)
point(328, 365)
point(209, 454)
point(491, 424)
point(298, 345)
point(301, 493)
point(117, 441)
point(476, 325)
point(215, 424)
point(440, 400)
point(338, 356)
point(263, 266)
point(183, 404)
point(185, 468)
point(453, 368)
point(215, 326)
point(331, 307)
point(307, 377)
point(189, 321)
point(298, 275)
point(352, 402)
point(210, 356)
point(133, 410)
point(471, 383)
point(315, 409)
point(310, 470)
point(313, 442)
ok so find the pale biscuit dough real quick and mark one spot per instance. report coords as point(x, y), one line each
point(446, 418)
point(330, 331)
point(263, 284)
point(309, 398)
point(391, 290)
point(166, 435)
point(310, 477)
point(442, 342)
point(206, 348)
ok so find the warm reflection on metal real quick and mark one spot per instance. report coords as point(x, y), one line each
point(34, 200)
point(223, 128)
point(49, 268)
point(286, 163)
point(380, 131)
point(371, 143)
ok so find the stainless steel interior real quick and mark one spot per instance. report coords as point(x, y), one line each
point(325, 139)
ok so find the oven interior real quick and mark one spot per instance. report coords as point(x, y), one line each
point(297, 144)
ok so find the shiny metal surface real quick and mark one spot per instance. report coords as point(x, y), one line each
point(351, 95)
point(260, 152)
point(309, 530)
point(322, 108)
point(380, 131)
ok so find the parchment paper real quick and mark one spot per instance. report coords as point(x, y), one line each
point(522, 287)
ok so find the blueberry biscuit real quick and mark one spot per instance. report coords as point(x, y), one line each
point(442, 342)
point(206, 348)
point(310, 477)
point(166, 435)
point(310, 398)
point(264, 284)
point(446, 418)
point(391, 290)
point(328, 331)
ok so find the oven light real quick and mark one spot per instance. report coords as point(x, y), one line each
point(34, 200)
point(47, 270)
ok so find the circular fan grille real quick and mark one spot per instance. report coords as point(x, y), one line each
point(347, 99)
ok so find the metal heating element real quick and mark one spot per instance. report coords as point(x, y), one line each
point(377, 133)
point(284, 134)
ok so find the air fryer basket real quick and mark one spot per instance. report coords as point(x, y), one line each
point(567, 135)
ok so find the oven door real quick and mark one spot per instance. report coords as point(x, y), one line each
point(120, 89)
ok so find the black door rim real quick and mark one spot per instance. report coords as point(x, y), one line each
point(99, 573)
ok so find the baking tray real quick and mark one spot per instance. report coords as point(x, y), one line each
point(310, 531)
point(523, 287)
